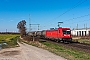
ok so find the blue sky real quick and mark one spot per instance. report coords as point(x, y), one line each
point(47, 13)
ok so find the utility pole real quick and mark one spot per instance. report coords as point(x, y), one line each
point(6, 30)
point(34, 33)
point(84, 26)
point(29, 23)
point(38, 26)
point(77, 26)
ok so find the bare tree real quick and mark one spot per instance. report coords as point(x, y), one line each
point(22, 28)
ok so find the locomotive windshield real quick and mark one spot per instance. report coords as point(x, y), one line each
point(66, 32)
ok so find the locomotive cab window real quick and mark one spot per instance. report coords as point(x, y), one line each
point(66, 32)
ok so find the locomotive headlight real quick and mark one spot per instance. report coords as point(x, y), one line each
point(66, 35)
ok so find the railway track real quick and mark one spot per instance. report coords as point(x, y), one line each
point(79, 46)
point(76, 46)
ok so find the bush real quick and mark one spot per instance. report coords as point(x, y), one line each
point(30, 38)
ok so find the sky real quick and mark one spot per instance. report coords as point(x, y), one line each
point(47, 13)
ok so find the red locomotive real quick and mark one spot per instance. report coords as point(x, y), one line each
point(60, 34)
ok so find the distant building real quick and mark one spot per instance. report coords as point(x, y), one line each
point(81, 32)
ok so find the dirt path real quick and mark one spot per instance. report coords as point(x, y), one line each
point(27, 52)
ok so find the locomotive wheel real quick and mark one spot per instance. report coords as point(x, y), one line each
point(66, 42)
point(57, 41)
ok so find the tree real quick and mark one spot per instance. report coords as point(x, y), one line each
point(22, 28)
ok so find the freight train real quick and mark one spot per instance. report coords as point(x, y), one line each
point(59, 34)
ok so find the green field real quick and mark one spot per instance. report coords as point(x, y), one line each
point(9, 39)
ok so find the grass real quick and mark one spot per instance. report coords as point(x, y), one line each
point(33, 43)
point(81, 40)
point(69, 54)
point(9, 39)
point(87, 41)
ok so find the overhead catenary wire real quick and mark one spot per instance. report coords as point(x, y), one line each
point(76, 5)
point(77, 22)
point(77, 17)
